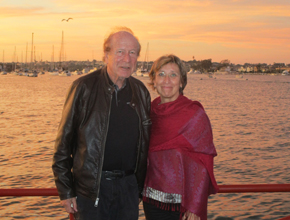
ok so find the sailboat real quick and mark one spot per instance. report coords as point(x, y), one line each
point(54, 71)
point(61, 58)
point(143, 71)
point(14, 64)
point(33, 72)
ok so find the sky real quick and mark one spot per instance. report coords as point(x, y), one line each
point(242, 31)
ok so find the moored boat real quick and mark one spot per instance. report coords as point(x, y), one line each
point(65, 73)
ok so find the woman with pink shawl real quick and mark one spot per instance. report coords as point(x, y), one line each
point(180, 160)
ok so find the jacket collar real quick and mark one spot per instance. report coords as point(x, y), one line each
point(111, 87)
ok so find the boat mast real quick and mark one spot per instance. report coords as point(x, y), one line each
point(61, 54)
point(34, 55)
point(3, 62)
point(26, 55)
point(14, 59)
point(31, 58)
point(21, 60)
point(52, 58)
point(34, 58)
point(145, 59)
point(146, 56)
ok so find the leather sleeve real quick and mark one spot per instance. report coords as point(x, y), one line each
point(146, 127)
point(63, 150)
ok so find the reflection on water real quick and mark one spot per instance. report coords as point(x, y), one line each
point(251, 125)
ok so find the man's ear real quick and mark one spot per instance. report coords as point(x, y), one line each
point(106, 57)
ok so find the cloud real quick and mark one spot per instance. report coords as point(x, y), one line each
point(19, 11)
point(209, 25)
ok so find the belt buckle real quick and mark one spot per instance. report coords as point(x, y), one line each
point(117, 174)
point(114, 174)
point(108, 175)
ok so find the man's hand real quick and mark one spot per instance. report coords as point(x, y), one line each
point(190, 216)
point(70, 205)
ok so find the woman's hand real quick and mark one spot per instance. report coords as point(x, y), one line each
point(190, 216)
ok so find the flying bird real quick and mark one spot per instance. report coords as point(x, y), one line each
point(66, 19)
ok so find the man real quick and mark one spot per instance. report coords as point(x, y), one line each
point(101, 147)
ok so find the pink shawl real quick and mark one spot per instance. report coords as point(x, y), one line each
point(181, 151)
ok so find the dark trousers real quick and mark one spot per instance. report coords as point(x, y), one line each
point(118, 200)
point(154, 213)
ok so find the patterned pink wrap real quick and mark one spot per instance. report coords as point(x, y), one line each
point(181, 152)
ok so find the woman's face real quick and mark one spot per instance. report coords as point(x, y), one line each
point(167, 82)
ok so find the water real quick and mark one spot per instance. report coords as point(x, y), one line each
point(251, 126)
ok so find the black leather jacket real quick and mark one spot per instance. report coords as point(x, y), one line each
point(81, 137)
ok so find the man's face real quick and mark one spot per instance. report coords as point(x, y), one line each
point(122, 59)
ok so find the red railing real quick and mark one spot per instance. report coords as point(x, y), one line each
point(250, 188)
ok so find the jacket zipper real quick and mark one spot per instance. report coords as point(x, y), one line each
point(103, 148)
point(140, 133)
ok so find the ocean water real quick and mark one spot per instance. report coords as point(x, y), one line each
point(251, 127)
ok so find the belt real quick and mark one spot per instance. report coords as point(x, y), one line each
point(116, 174)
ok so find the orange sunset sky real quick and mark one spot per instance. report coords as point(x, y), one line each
point(252, 31)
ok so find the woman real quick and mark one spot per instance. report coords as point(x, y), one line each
point(180, 160)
